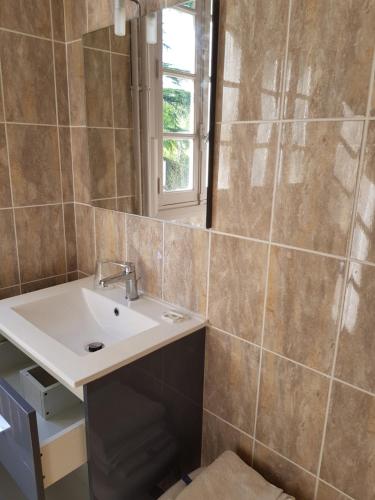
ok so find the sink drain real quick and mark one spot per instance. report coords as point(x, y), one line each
point(94, 346)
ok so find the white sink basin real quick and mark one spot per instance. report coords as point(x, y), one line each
point(53, 326)
point(82, 316)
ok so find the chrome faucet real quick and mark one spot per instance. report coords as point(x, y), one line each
point(127, 275)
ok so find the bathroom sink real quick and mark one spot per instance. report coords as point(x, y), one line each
point(82, 317)
point(55, 325)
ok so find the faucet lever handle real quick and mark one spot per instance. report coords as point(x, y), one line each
point(129, 267)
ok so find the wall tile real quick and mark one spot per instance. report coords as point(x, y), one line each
point(5, 193)
point(108, 204)
point(145, 248)
point(98, 88)
point(70, 237)
point(58, 20)
point(76, 83)
point(252, 47)
point(85, 238)
point(1, 102)
point(125, 164)
point(185, 267)
point(110, 235)
point(40, 234)
point(120, 44)
point(26, 16)
point(284, 474)
point(303, 304)
point(218, 436)
point(6, 293)
point(356, 352)
point(102, 162)
point(364, 231)
point(72, 276)
point(128, 205)
point(244, 175)
point(81, 167)
point(351, 437)
point(98, 39)
point(122, 106)
point(66, 164)
point(237, 284)
point(314, 197)
point(330, 56)
point(34, 160)
point(325, 492)
point(292, 405)
point(231, 378)
point(27, 67)
point(45, 283)
point(100, 13)
point(8, 254)
point(61, 84)
point(76, 19)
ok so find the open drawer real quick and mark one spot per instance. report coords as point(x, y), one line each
point(35, 452)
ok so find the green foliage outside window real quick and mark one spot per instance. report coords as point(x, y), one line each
point(176, 117)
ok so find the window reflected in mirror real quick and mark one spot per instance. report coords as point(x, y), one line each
point(148, 113)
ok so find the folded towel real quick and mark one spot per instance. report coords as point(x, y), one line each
point(229, 478)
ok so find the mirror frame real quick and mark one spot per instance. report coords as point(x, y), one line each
point(212, 124)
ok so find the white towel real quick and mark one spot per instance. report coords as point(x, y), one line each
point(229, 478)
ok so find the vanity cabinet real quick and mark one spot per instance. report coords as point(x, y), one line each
point(139, 427)
point(35, 452)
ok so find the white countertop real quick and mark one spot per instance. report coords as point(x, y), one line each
point(74, 370)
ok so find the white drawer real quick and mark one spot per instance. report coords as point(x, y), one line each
point(62, 438)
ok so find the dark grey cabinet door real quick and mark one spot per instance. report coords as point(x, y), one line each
point(19, 443)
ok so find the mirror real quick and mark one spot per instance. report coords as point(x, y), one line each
point(150, 115)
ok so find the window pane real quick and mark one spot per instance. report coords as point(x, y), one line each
point(178, 40)
point(178, 104)
point(178, 164)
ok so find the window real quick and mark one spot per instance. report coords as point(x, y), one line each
point(181, 104)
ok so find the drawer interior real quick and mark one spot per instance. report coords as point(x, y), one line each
point(61, 437)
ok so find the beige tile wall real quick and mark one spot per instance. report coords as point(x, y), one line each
point(109, 119)
point(290, 260)
point(37, 221)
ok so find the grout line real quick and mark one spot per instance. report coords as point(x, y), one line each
point(336, 489)
point(101, 127)
point(46, 278)
point(347, 268)
point(257, 441)
point(32, 124)
point(20, 207)
point(227, 423)
point(94, 234)
point(10, 179)
point(279, 355)
point(299, 120)
point(106, 51)
point(126, 237)
point(113, 120)
point(87, 16)
point(280, 245)
point(58, 139)
point(70, 135)
point(45, 38)
point(68, 42)
point(276, 173)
